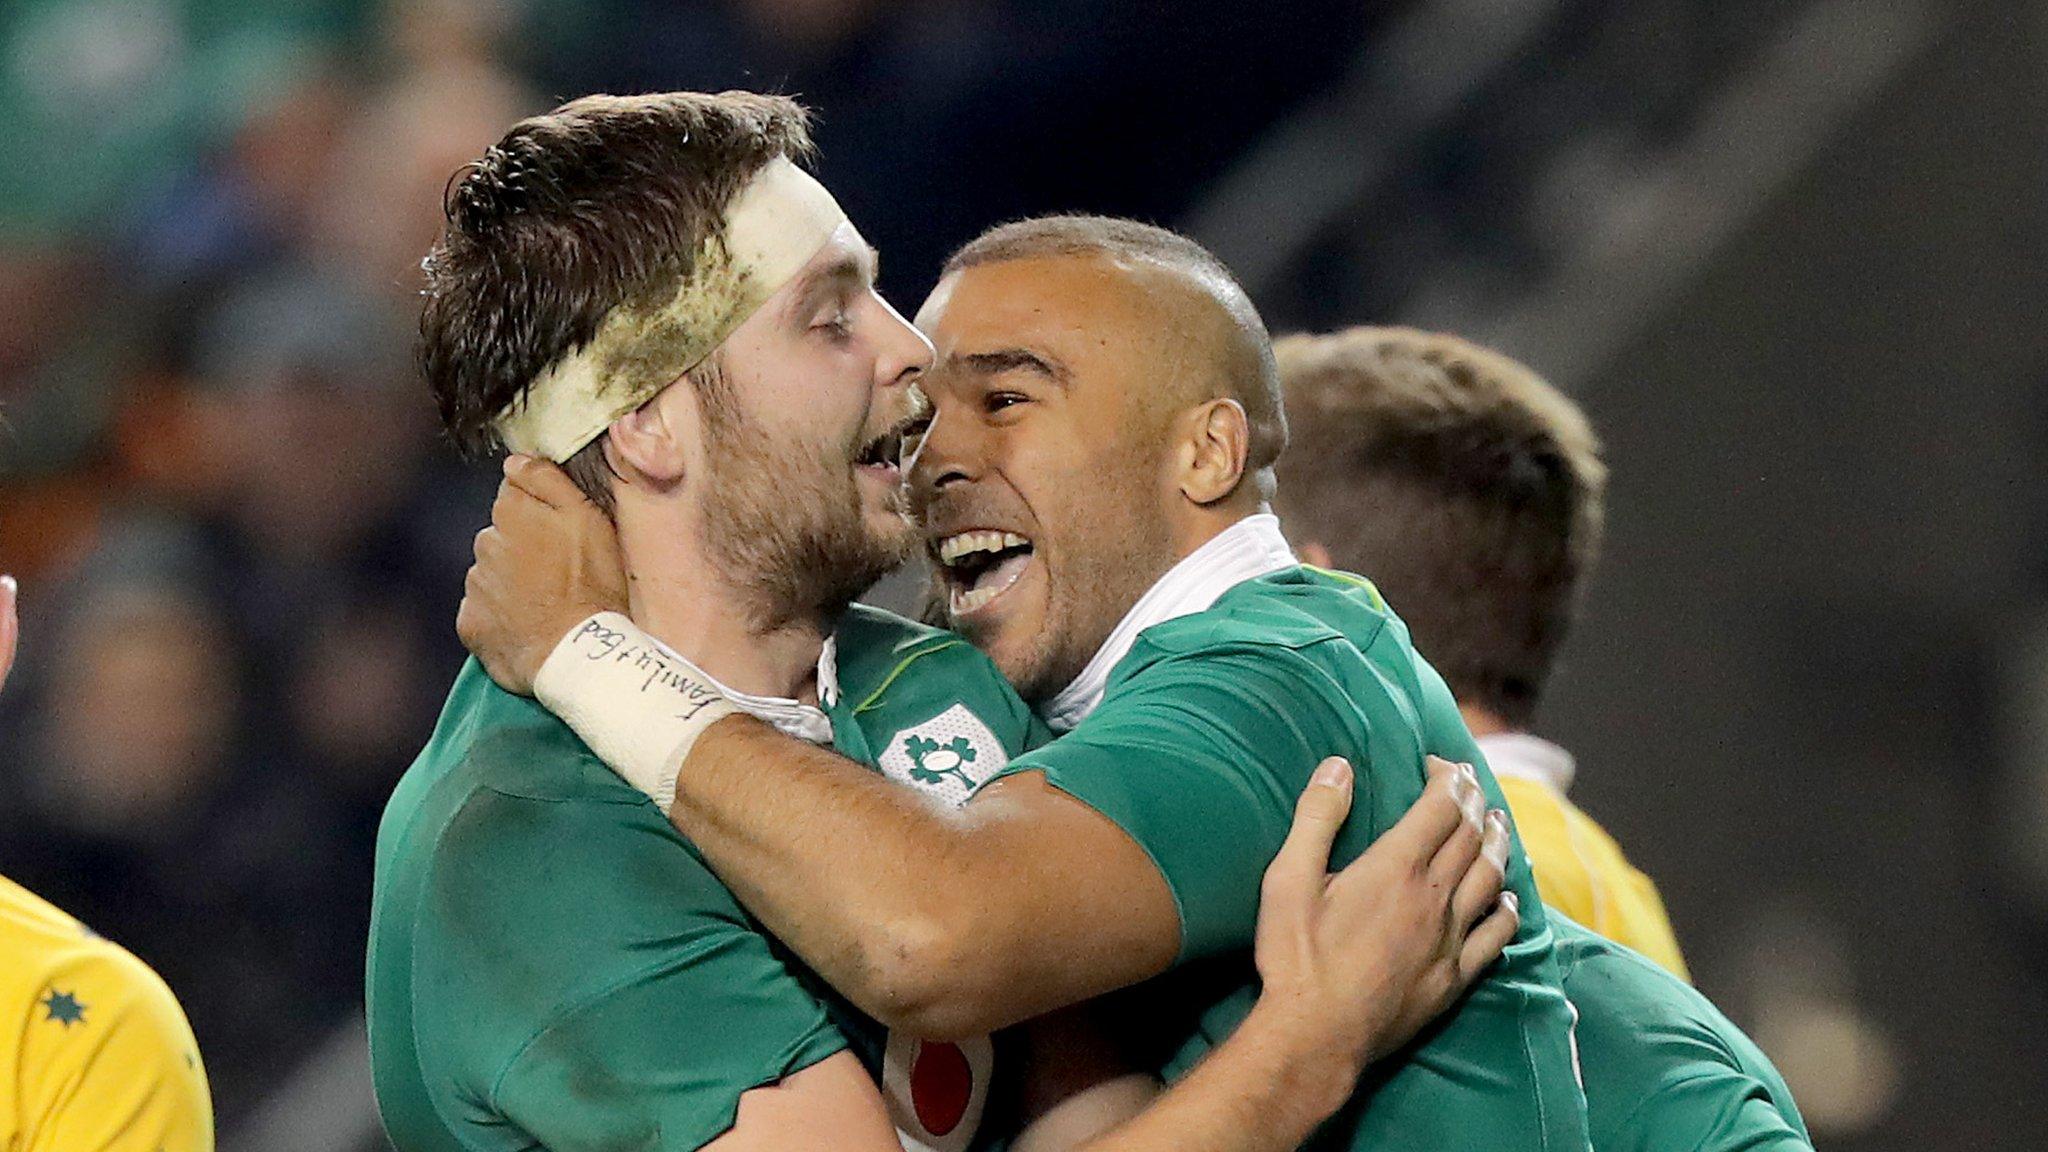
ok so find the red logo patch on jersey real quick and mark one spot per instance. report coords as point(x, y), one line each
point(941, 1084)
point(937, 1091)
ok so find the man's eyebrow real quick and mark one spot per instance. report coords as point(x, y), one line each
point(847, 271)
point(1001, 360)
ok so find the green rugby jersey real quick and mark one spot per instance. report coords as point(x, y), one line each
point(552, 965)
point(1665, 1070)
point(1206, 734)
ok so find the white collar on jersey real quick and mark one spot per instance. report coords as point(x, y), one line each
point(1246, 550)
point(1530, 758)
point(793, 717)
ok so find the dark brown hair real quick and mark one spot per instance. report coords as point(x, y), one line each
point(1466, 487)
point(602, 202)
point(1245, 371)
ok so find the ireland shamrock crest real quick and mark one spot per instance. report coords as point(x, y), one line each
point(934, 755)
point(932, 762)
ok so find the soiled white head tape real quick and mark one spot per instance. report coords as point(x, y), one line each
point(773, 227)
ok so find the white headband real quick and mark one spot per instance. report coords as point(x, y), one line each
point(772, 229)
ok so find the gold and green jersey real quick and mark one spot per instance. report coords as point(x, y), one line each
point(1581, 871)
point(1207, 731)
point(552, 965)
point(1665, 1070)
point(99, 1057)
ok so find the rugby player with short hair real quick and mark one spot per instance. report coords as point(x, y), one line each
point(649, 291)
point(99, 1057)
point(1474, 493)
point(1093, 489)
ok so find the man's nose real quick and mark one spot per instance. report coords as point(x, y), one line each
point(905, 353)
point(949, 452)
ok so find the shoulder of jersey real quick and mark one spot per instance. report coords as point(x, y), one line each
point(513, 745)
point(59, 947)
point(1579, 947)
point(872, 644)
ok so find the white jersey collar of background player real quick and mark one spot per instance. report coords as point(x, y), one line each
point(773, 227)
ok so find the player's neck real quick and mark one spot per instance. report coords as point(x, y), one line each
point(1191, 526)
point(678, 592)
point(1483, 721)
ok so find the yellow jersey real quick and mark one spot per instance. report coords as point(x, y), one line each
point(1580, 870)
point(97, 1057)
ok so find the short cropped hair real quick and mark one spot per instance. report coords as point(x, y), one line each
point(1466, 487)
point(1249, 377)
point(602, 203)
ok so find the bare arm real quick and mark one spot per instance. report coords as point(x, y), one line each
point(942, 923)
point(831, 1104)
point(834, 859)
point(1353, 965)
point(841, 864)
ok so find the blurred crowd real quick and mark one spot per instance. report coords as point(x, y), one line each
point(220, 485)
point(239, 536)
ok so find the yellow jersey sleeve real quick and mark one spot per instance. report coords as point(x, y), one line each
point(106, 1061)
point(1581, 871)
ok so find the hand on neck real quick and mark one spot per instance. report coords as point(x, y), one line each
point(679, 592)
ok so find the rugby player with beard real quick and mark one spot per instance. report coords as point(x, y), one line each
point(648, 291)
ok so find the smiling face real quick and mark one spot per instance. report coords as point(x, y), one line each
point(1044, 485)
point(801, 433)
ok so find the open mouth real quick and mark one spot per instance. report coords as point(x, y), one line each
point(981, 565)
point(883, 451)
point(883, 455)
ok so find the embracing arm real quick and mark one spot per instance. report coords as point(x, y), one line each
point(942, 922)
point(1103, 858)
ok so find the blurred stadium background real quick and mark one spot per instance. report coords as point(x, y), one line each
point(1791, 255)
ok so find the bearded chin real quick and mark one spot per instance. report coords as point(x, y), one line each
point(791, 528)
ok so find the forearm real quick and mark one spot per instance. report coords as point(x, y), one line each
point(836, 861)
point(941, 922)
point(1256, 1092)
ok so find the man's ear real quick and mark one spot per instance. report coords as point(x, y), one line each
point(652, 442)
point(1215, 438)
point(1313, 552)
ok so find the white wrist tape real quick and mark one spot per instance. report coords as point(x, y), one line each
point(637, 704)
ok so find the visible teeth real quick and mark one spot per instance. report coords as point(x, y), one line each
point(965, 600)
point(952, 548)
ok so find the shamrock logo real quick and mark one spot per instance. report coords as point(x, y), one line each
point(931, 762)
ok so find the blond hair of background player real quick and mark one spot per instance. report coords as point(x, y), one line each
point(1473, 493)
